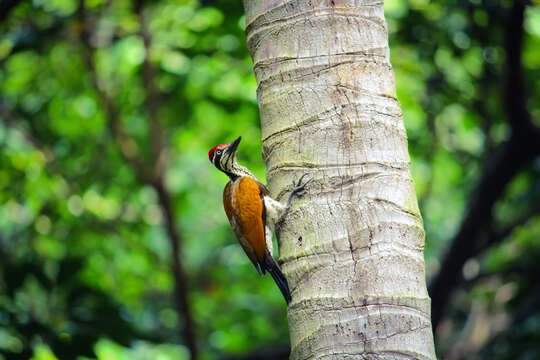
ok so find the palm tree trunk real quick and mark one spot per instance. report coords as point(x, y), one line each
point(352, 248)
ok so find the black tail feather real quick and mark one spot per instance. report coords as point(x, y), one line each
point(273, 268)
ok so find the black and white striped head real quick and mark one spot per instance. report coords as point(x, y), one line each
point(224, 157)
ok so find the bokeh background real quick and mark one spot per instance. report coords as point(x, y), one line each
point(107, 112)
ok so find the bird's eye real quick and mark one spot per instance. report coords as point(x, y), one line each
point(218, 152)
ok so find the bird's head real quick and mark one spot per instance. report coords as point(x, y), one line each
point(223, 156)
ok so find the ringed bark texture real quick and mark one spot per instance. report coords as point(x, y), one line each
point(352, 248)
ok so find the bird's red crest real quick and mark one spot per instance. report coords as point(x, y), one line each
point(212, 150)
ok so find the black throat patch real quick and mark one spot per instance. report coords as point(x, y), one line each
point(217, 164)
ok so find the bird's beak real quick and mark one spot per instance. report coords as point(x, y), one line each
point(232, 148)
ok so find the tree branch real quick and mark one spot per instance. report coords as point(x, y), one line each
point(153, 102)
point(153, 99)
point(515, 97)
point(497, 236)
point(154, 177)
point(506, 162)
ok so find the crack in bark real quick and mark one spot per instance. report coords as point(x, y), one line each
point(285, 70)
point(331, 349)
point(299, 165)
point(257, 27)
point(367, 301)
point(357, 55)
point(325, 116)
point(356, 58)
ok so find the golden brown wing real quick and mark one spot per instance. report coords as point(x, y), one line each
point(244, 208)
point(248, 200)
point(244, 205)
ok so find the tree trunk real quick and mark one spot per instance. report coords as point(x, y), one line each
point(352, 248)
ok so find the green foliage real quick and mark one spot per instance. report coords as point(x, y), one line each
point(85, 270)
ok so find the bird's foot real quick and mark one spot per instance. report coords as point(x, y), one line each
point(299, 188)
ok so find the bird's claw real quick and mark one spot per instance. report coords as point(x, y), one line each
point(299, 188)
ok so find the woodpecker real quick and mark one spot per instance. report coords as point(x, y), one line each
point(252, 212)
